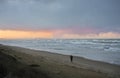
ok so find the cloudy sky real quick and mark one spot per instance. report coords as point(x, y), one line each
point(60, 18)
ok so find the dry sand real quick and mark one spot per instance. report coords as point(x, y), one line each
point(59, 66)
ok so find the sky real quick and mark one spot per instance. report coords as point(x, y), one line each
point(59, 19)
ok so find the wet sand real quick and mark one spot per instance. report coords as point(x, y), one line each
point(60, 66)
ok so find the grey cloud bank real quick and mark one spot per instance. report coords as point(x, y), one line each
point(103, 15)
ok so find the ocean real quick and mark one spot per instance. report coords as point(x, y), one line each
point(106, 50)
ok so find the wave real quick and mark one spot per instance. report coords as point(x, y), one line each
point(107, 50)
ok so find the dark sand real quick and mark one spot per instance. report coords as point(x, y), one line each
point(52, 65)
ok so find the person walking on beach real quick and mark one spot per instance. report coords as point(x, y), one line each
point(71, 58)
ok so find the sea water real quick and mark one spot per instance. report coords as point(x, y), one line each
point(106, 50)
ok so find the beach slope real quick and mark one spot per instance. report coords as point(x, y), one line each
point(27, 63)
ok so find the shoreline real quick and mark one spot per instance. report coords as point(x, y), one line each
point(65, 54)
point(30, 56)
point(99, 50)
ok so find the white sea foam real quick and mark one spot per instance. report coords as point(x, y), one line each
point(107, 50)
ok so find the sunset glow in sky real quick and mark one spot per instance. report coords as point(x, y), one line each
point(59, 19)
point(16, 34)
point(13, 34)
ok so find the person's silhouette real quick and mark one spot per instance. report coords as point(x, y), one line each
point(71, 58)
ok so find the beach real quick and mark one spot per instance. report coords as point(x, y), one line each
point(59, 66)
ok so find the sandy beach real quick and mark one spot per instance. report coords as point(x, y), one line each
point(59, 66)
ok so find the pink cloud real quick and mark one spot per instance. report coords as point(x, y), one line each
point(100, 35)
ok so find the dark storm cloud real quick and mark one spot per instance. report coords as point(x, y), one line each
point(103, 15)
